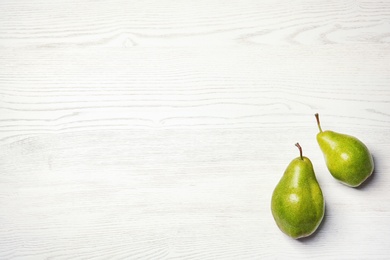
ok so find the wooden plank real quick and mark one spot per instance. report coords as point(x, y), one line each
point(121, 23)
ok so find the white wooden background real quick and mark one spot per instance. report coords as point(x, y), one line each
point(158, 129)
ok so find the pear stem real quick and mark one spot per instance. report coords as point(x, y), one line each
point(318, 121)
point(300, 150)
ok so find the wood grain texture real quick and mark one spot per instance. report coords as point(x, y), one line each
point(171, 149)
point(58, 91)
point(122, 23)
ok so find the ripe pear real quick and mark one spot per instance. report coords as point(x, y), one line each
point(297, 204)
point(347, 158)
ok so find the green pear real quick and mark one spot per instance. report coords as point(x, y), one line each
point(297, 202)
point(347, 158)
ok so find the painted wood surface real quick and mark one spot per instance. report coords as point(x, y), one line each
point(159, 129)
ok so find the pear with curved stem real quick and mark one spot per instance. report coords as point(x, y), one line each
point(297, 204)
point(347, 158)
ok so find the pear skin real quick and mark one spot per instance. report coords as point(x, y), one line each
point(297, 204)
point(346, 157)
